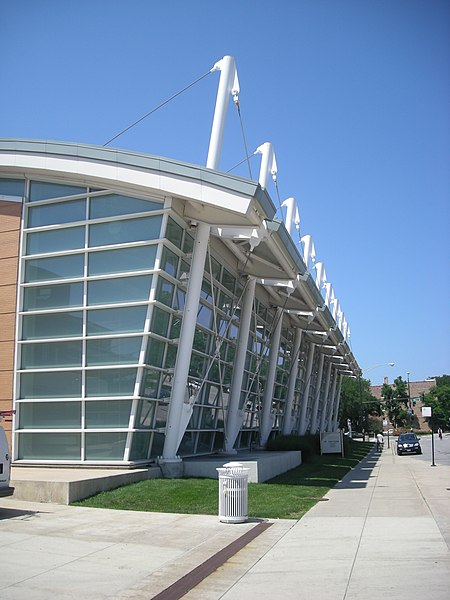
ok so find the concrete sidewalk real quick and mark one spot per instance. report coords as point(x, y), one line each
point(383, 531)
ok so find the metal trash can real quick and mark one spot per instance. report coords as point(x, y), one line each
point(233, 493)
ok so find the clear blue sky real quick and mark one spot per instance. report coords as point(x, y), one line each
point(354, 95)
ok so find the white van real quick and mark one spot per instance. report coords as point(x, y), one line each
point(5, 459)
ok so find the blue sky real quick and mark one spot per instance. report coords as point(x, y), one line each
point(353, 94)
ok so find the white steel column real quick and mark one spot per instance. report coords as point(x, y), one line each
point(324, 415)
point(288, 422)
point(235, 414)
point(315, 410)
point(179, 386)
point(336, 403)
point(266, 421)
point(309, 366)
point(329, 422)
point(228, 83)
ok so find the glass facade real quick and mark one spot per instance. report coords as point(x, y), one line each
point(104, 278)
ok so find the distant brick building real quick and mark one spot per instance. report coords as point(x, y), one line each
point(416, 389)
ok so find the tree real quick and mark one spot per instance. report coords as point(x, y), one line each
point(439, 399)
point(352, 408)
point(401, 390)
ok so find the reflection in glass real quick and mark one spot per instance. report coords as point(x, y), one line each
point(49, 415)
point(105, 446)
point(104, 414)
point(57, 384)
point(120, 289)
point(126, 319)
point(55, 267)
point(121, 232)
point(56, 213)
point(110, 382)
point(41, 446)
point(138, 258)
point(51, 354)
point(113, 205)
point(53, 296)
point(64, 324)
point(55, 240)
point(113, 351)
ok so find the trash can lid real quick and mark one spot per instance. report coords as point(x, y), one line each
point(233, 465)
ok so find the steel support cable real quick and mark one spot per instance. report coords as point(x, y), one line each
point(241, 162)
point(157, 108)
point(238, 106)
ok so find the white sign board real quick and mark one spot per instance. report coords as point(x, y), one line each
point(331, 443)
point(426, 411)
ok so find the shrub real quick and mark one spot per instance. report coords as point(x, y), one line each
point(308, 444)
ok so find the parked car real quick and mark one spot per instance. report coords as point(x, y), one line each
point(408, 443)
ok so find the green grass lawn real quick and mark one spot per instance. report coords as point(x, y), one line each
point(288, 496)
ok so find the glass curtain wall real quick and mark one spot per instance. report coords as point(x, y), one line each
point(103, 282)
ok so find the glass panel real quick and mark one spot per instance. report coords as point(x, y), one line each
point(116, 320)
point(150, 383)
point(140, 445)
point(121, 289)
point(188, 245)
point(113, 205)
point(52, 325)
point(169, 262)
point(56, 267)
point(121, 232)
point(145, 414)
point(68, 238)
point(174, 232)
point(57, 446)
point(107, 413)
point(50, 415)
point(12, 187)
point(157, 445)
point(113, 351)
point(52, 354)
point(155, 353)
point(59, 384)
point(42, 190)
point(171, 356)
point(228, 280)
point(204, 316)
point(180, 298)
point(53, 296)
point(123, 260)
point(58, 212)
point(164, 291)
point(161, 415)
point(197, 366)
point(175, 330)
point(201, 341)
point(110, 382)
point(105, 446)
point(215, 267)
point(160, 321)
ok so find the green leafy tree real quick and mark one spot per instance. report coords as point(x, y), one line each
point(401, 390)
point(439, 399)
point(352, 408)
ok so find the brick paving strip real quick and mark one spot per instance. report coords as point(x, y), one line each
point(186, 583)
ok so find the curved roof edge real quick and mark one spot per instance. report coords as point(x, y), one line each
point(140, 160)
